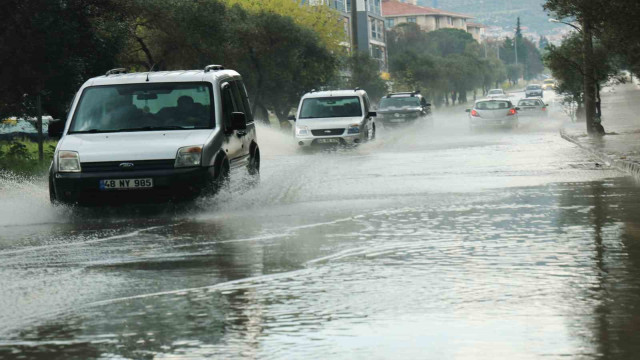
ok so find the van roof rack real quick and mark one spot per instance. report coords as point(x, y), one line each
point(116, 71)
point(213, 68)
point(412, 93)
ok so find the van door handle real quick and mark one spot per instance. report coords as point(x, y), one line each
point(241, 133)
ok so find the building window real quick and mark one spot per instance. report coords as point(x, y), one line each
point(374, 6)
point(412, 19)
point(377, 29)
point(449, 20)
point(390, 23)
point(338, 5)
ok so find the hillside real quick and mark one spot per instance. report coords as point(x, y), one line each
point(502, 13)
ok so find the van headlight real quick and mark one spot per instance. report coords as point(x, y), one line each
point(353, 129)
point(302, 130)
point(68, 161)
point(189, 156)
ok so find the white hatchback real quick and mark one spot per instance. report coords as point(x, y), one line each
point(337, 117)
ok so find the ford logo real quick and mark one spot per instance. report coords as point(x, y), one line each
point(126, 165)
point(327, 131)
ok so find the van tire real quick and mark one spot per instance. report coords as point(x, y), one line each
point(253, 168)
point(221, 177)
point(52, 191)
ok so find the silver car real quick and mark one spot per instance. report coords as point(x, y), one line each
point(532, 107)
point(493, 113)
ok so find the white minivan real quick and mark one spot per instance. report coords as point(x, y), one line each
point(336, 117)
point(157, 136)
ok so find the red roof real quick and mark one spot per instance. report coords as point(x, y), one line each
point(395, 8)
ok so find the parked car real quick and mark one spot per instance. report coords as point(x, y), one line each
point(157, 136)
point(532, 107)
point(404, 107)
point(549, 84)
point(496, 94)
point(493, 113)
point(336, 117)
point(533, 90)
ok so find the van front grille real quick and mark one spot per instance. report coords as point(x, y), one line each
point(107, 166)
point(327, 132)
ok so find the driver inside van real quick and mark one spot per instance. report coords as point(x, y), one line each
point(186, 113)
point(190, 112)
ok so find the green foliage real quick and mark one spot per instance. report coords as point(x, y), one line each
point(21, 157)
point(365, 74)
point(50, 48)
point(565, 62)
point(526, 54)
point(613, 22)
point(440, 63)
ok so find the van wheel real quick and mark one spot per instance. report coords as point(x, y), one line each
point(52, 191)
point(221, 177)
point(254, 168)
point(373, 132)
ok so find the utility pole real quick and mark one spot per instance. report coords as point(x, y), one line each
point(39, 125)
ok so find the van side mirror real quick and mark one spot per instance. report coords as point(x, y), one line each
point(373, 114)
point(467, 110)
point(428, 104)
point(291, 117)
point(517, 108)
point(238, 121)
point(56, 128)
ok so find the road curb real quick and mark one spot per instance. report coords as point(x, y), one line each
point(630, 167)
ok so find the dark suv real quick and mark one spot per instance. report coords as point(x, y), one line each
point(403, 107)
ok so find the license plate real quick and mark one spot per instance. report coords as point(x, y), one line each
point(328, 141)
point(126, 184)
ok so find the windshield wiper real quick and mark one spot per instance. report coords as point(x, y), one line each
point(90, 131)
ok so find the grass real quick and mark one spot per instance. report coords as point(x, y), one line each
point(21, 156)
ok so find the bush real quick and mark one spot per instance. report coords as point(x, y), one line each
point(21, 157)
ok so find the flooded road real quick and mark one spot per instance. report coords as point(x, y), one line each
point(427, 243)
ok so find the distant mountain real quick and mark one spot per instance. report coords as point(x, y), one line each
point(502, 13)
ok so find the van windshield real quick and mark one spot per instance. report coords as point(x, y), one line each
point(144, 107)
point(331, 107)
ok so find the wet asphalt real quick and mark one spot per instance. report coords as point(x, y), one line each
point(426, 243)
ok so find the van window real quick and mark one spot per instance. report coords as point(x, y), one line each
point(144, 107)
point(228, 105)
point(245, 101)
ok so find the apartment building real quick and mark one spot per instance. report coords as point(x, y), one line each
point(371, 29)
point(429, 19)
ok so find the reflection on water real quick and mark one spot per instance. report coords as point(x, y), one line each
point(553, 271)
point(500, 245)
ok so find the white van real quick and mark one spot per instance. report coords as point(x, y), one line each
point(337, 117)
point(156, 136)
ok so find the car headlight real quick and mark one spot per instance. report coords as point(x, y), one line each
point(353, 129)
point(189, 156)
point(302, 130)
point(68, 161)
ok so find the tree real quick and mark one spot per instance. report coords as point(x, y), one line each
point(324, 21)
point(44, 51)
point(365, 74)
point(565, 63)
point(444, 63)
point(280, 59)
